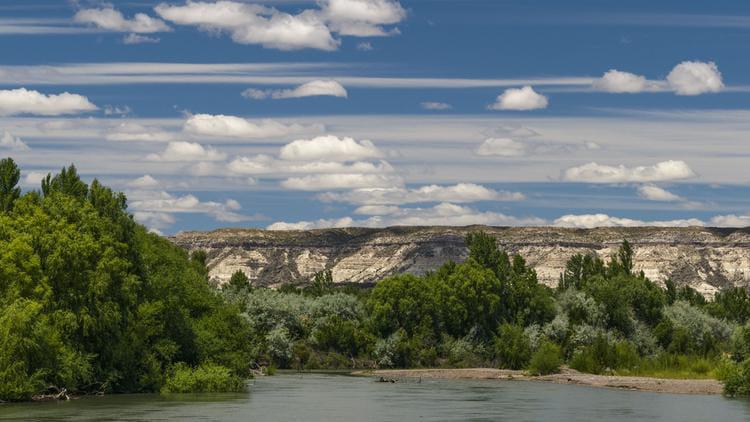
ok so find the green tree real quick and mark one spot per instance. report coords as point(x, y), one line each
point(10, 174)
point(238, 281)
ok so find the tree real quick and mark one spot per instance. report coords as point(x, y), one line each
point(483, 249)
point(10, 174)
point(66, 182)
point(322, 283)
point(238, 281)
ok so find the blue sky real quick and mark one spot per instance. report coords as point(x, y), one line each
point(384, 112)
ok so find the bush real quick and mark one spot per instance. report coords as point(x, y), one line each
point(737, 379)
point(604, 357)
point(206, 378)
point(512, 347)
point(546, 360)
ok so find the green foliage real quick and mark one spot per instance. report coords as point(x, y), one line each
point(238, 281)
point(604, 357)
point(10, 174)
point(732, 304)
point(322, 284)
point(90, 301)
point(206, 378)
point(546, 360)
point(512, 347)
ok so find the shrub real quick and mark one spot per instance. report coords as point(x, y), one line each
point(605, 357)
point(737, 379)
point(206, 378)
point(512, 347)
point(546, 360)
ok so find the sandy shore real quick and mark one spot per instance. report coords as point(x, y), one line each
point(567, 376)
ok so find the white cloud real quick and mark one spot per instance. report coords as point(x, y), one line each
point(23, 101)
point(458, 193)
point(112, 20)
point(134, 132)
point(265, 164)
point(318, 88)
point(365, 46)
point(444, 214)
point(254, 24)
point(34, 178)
point(362, 18)
point(157, 206)
point(155, 221)
point(503, 147)
point(731, 220)
point(694, 78)
point(341, 181)
point(520, 99)
point(187, 151)
point(616, 81)
point(144, 182)
point(13, 142)
point(110, 110)
point(222, 126)
point(133, 39)
point(604, 220)
point(655, 193)
point(329, 148)
point(433, 105)
point(659, 172)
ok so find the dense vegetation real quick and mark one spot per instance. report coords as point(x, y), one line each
point(92, 302)
point(602, 318)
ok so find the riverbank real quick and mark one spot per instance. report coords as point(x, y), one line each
point(567, 376)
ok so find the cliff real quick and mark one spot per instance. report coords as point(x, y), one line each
point(705, 258)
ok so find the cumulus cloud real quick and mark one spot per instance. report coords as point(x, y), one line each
point(731, 220)
point(520, 99)
point(503, 147)
point(320, 182)
point(458, 193)
point(144, 182)
point(604, 220)
point(13, 143)
point(110, 110)
point(365, 46)
point(34, 178)
point(444, 214)
point(254, 24)
point(362, 18)
point(329, 148)
point(109, 19)
point(266, 164)
point(659, 172)
point(432, 105)
point(132, 39)
point(695, 78)
point(187, 151)
point(317, 88)
point(655, 193)
point(155, 208)
point(616, 81)
point(135, 132)
point(222, 126)
point(24, 101)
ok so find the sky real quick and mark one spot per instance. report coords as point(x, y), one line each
point(287, 114)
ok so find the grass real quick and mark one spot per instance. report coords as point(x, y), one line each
point(675, 367)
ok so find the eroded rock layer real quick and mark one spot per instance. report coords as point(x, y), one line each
point(705, 258)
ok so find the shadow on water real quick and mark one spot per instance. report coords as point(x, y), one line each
point(330, 397)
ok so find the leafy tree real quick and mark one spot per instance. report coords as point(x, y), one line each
point(322, 283)
point(512, 347)
point(579, 270)
point(483, 249)
point(67, 182)
point(10, 174)
point(238, 281)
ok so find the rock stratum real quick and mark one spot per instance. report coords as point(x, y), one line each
point(707, 259)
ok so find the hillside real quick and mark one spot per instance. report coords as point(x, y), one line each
point(705, 258)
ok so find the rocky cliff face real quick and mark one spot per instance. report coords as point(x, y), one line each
point(705, 258)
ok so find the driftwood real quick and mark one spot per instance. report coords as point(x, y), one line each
point(52, 393)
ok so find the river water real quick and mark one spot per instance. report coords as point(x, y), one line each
point(321, 397)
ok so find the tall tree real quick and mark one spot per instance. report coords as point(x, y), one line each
point(10, 174)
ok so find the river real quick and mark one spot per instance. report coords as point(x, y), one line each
point(326, 397)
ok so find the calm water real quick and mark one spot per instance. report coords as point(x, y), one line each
point(337, 397)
